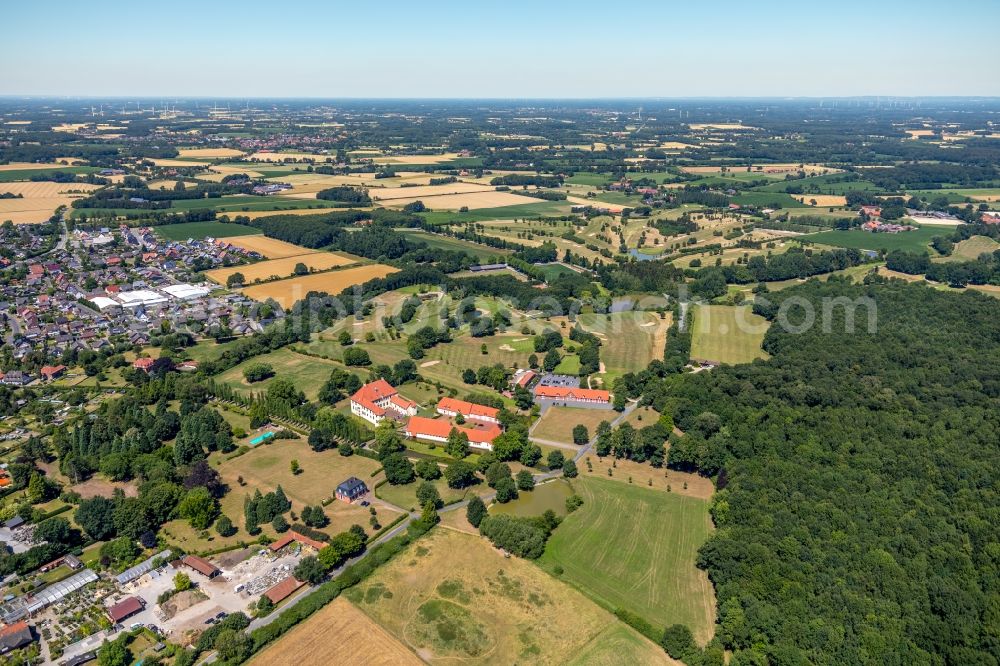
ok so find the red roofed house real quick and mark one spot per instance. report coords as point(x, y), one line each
point(470, 410)
point(376, 400)
point(579, 395)
point(144, 364)
point(35, 270)
point(871, 211)
point(990, 217)
point(480, 434)
point(292, 535)
point(51, 372)
point(125, 609)
point(523, 378)
point(202, 566)
point(282, 589)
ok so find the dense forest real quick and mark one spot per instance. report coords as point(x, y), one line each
point(857, 505)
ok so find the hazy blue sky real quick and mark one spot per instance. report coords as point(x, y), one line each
point(501, 49)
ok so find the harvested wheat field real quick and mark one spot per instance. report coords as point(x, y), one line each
point(763, 168)
point(69, 127)
point(281, 268)
point(470, 200)
point(287, 292)
point(20, 166)
point(916, 134)
point(454, 599)
point(420, 192)
point(39, 199)
point(336, 634)
point(416, 159)
point(272, 248)
point(675, 145)
point(822, 199)
point(208, 153)
point(218, 172)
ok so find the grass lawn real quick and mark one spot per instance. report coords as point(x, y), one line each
point(557, 423)
point(569, 365)
point(629, 340)
point(306, 372)
point(199, 230)
point(551, 495)
point(26, 174)
point(451, 597)
point(628, 547)
point(268, 466)
point(406, 496)
point(726, 334)
point(911, 241)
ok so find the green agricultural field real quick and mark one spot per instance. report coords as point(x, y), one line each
point(199, 230)
point(911, 241)
point(26, 174)
point(828, 184)
point(569, 365)
point(532, 210)
point(957, 195)
point(768, 200)
point(236, 204)
point(591, 179)
point(727, 334)
point(482, 252)
point(633, 548)
point(556, 271)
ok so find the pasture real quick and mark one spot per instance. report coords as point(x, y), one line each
point(272, 248)
point(557, 423)
point(282, 268)
point(452, 598)
point(645, 564)
point(287, 292)
point(910, 241)
point(200, 230)
point(726, 334)
point(405, 496)
point(338, 633)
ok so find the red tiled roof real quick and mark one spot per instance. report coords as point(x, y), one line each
point(143, 363)
point(564, 393)
point(200, 565)
point(292, 535)
point(482, 434)
point(124, 609)
point(467, 409)
point(369, 393)
point(281, 590)
point(52, 370)
point(525, 378)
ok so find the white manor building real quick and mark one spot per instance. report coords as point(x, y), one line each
point(377, 400)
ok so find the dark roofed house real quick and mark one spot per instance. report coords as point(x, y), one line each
point(124, 609)
point(202, 566)
point(351, 489)
point(16, 521)
point(15, 636)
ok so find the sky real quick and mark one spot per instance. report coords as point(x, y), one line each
point(513, 49)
